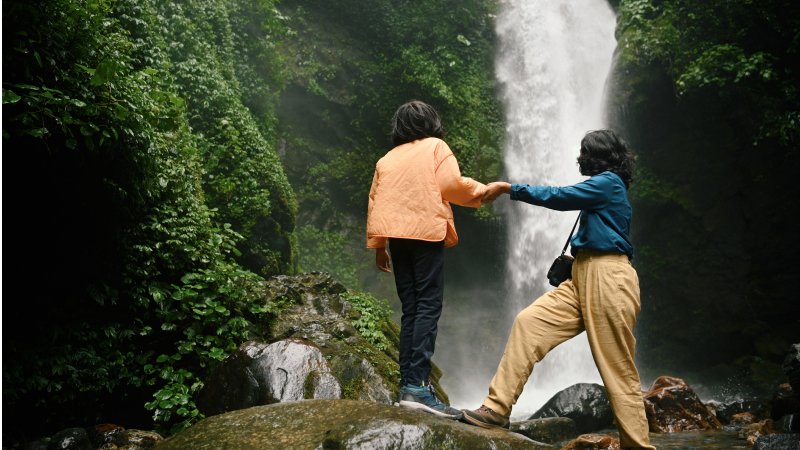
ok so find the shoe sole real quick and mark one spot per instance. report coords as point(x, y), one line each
point(482, 424)
point(420, 406)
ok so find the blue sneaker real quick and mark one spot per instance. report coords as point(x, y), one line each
point(423, 398)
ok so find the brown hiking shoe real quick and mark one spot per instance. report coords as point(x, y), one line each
point(486, 418)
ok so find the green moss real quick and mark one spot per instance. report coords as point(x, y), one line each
point(352, 388)
point(309, 384)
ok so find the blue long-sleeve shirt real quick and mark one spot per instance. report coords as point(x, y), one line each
point(606, 218)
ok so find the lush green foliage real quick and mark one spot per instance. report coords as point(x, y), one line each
point(708, 94)
point(743, 50)
point(151, 132)
point(372, 314)
point(156, 182)
point(206, 56)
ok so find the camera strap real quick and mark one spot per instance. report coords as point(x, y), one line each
point(570, 233)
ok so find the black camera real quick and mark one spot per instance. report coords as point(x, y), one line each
point(561, 270)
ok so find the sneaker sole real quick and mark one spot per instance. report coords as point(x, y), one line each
point(420, 406)
point(482, 424)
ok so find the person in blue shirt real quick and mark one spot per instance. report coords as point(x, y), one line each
point(601, 298)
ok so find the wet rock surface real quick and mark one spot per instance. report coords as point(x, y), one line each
point(260, 374)
point(105, 436)
point(778, 442)
point(725, 411)
point(671, 405)
point(549, 429)
point(585, 403)
point(593, 442)
point(339, 424)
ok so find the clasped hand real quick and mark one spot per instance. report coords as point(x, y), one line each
point(494, 190)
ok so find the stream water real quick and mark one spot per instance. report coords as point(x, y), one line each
point(708, 440)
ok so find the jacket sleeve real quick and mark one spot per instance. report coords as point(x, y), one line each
point(456, 189)
point(373, 241)
point(590, 194)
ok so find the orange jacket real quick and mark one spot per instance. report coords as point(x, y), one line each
point(411, 192)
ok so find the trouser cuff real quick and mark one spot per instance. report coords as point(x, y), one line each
point(497, 407)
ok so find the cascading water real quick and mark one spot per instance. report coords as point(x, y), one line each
point(552, 62)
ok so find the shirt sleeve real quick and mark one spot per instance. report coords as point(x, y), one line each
point(463, 191)
point(586, 195)
point(374, 241)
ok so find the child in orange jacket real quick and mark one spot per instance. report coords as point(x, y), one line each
point(409, 215)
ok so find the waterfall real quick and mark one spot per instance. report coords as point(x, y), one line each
point(552, 62)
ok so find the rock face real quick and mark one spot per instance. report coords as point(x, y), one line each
point(260, 374)
point(311, 350)
point(671, 405)
point(339, 424)
point(585, 403)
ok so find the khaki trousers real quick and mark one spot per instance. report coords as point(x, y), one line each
point(603, 299)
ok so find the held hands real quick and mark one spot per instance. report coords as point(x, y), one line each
point(494, 190)
point(382, 260)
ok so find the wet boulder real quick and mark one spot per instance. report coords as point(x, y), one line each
point(67, 439)
point(103, 436)
point(724, 411)
point(260, 374)
point(753, 431)
point(585, 403)
point(671, 405)
point(340, 424)
point(741, 420)
point(549, 429)
point(593, 442)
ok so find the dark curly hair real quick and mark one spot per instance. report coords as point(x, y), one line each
point(603, 150)
point(415, 120)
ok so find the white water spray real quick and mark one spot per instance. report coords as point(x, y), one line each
point(553, 60)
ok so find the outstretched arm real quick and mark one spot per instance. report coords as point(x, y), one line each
point(588, 194)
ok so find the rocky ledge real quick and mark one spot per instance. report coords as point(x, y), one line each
point(339, 424)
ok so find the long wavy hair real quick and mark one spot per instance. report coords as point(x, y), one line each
point(415, 120)
point(603, 150)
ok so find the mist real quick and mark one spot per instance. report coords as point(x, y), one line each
point(552, 62)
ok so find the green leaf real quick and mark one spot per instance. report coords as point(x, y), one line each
point(120, 112)
point(37, 132)
point(28, 86)
point(88, 70)
point(103, 73)
point(10, 97)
